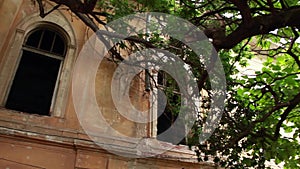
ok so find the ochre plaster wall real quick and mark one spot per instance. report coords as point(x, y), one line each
point(54, 142)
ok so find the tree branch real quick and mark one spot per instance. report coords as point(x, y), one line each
point(260, 25)
point(42, 11)
point(290, 52)
point(77, 5)
point(243, 8)
point(292, 104)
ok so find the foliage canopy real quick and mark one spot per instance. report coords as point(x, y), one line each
point(261, 119)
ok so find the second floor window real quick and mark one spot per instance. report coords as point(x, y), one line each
point(36, 78)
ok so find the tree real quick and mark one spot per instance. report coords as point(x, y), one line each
point(259, 107)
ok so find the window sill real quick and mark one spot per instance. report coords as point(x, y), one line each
point(30, 122)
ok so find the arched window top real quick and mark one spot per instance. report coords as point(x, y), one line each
point(47, 40)
point(35, 83)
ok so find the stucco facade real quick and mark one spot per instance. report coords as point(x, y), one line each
point(57, 140)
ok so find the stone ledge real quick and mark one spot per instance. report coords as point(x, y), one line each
point(120, 147)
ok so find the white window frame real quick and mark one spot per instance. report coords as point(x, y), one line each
point(12, 56)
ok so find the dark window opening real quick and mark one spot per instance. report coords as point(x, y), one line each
point(171, 110)
point(46, 40)
point(34, 39)
point(34, 83)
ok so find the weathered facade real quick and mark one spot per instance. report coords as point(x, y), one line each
point(55, 139)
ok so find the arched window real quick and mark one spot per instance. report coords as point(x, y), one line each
point(36, 78)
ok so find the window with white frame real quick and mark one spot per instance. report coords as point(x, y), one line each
point(35, 80)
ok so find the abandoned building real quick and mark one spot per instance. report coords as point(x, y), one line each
point(38, 124)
